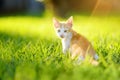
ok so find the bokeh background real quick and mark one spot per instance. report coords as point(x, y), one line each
point(61, 8)
point(30, 49)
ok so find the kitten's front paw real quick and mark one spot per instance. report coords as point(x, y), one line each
point(64, 51)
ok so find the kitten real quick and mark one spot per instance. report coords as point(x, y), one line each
point(78, 45)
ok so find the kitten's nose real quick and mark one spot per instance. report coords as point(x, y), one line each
point(61, 36)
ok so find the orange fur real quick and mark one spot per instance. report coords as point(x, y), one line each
point(80, 45)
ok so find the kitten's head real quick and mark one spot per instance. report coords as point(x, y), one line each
point(63, 28)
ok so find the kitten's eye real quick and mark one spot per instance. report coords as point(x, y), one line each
point(58, 30)
point(65, 30)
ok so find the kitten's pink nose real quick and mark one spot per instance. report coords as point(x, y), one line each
point(61, 36)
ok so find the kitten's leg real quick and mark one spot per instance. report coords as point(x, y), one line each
point(64, 50)
point(81, 58)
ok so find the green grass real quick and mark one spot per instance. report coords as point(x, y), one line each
point(30, 49)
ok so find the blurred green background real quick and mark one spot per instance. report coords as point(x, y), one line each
point(30, 49)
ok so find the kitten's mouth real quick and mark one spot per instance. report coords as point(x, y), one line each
point(62, 36)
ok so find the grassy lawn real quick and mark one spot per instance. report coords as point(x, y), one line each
point(30, 49)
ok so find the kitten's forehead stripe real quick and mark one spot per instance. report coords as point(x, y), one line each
point(62, 24)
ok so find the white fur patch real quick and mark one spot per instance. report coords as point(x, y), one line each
point(66, 42)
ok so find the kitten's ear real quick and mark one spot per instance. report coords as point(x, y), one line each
point(56, 23)
point(70, 21)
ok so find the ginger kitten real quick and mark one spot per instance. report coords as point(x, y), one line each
point(77, 44)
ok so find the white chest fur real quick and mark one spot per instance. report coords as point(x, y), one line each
point(66, 43)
